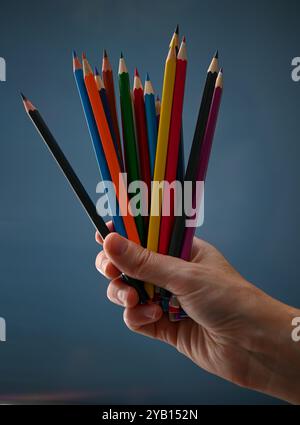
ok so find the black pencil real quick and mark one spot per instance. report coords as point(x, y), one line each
point(191, 170)
point(76, 184)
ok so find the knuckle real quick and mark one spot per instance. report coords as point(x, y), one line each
point(143, 261)
point(128, 322)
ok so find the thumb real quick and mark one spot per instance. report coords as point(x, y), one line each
point(164, 271)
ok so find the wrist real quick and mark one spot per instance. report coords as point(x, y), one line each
point(275, 354)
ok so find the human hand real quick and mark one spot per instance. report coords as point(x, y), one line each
point(234, 330)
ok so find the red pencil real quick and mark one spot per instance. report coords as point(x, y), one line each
point(141, 129)
point(167, 221)
point(108, 80)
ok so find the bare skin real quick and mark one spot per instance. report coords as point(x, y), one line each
point(235, 330)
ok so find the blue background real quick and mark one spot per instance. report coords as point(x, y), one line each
point(65, 341)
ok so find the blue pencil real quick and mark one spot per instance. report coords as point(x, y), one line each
point(105, 104)
point(104, 171)
point(151, 121)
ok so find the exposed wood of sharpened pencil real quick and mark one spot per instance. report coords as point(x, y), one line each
point(175, 39)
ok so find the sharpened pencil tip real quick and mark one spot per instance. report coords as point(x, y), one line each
point(23, 96)
point(147, 77)
point(221, 71)
point(83, 56)
point(157, 98)
point(96, 71)
point(184, 39)
point(217, 54)
point(177, 29)
point(136, 72)
point(121, 55)
point(74, 54)
point(105, 53)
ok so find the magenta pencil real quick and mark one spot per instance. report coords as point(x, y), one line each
point(204, 160)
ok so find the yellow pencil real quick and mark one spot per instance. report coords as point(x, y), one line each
point(175, 39)
point(161, 155)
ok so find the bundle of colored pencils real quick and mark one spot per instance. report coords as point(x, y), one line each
point(151, 152)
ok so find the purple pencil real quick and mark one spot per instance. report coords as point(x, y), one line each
point(204, 159)
point(175, 311)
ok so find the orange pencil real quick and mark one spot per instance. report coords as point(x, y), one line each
point(109, 150)
point(108, 79)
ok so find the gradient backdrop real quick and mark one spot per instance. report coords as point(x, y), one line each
point(65, 341)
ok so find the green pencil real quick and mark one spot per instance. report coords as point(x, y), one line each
point(129, 138)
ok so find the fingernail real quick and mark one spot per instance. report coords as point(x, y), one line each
point(121, 295)
point(117, 246)
point(150, 311)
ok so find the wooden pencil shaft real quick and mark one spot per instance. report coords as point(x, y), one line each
point(129, 140)
point(151, 129)
point(79, 190)
point(104, 100)
point(202, 168)
point(130, 151)
point(161, 155)
point(110, 152)
point(191, 171)
point(69, 173)
point(97, 146)
point(140, 115)
point(173, 158)
point(110, 90)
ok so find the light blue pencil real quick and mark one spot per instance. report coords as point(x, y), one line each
point(103, 167)
point(151, 120)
